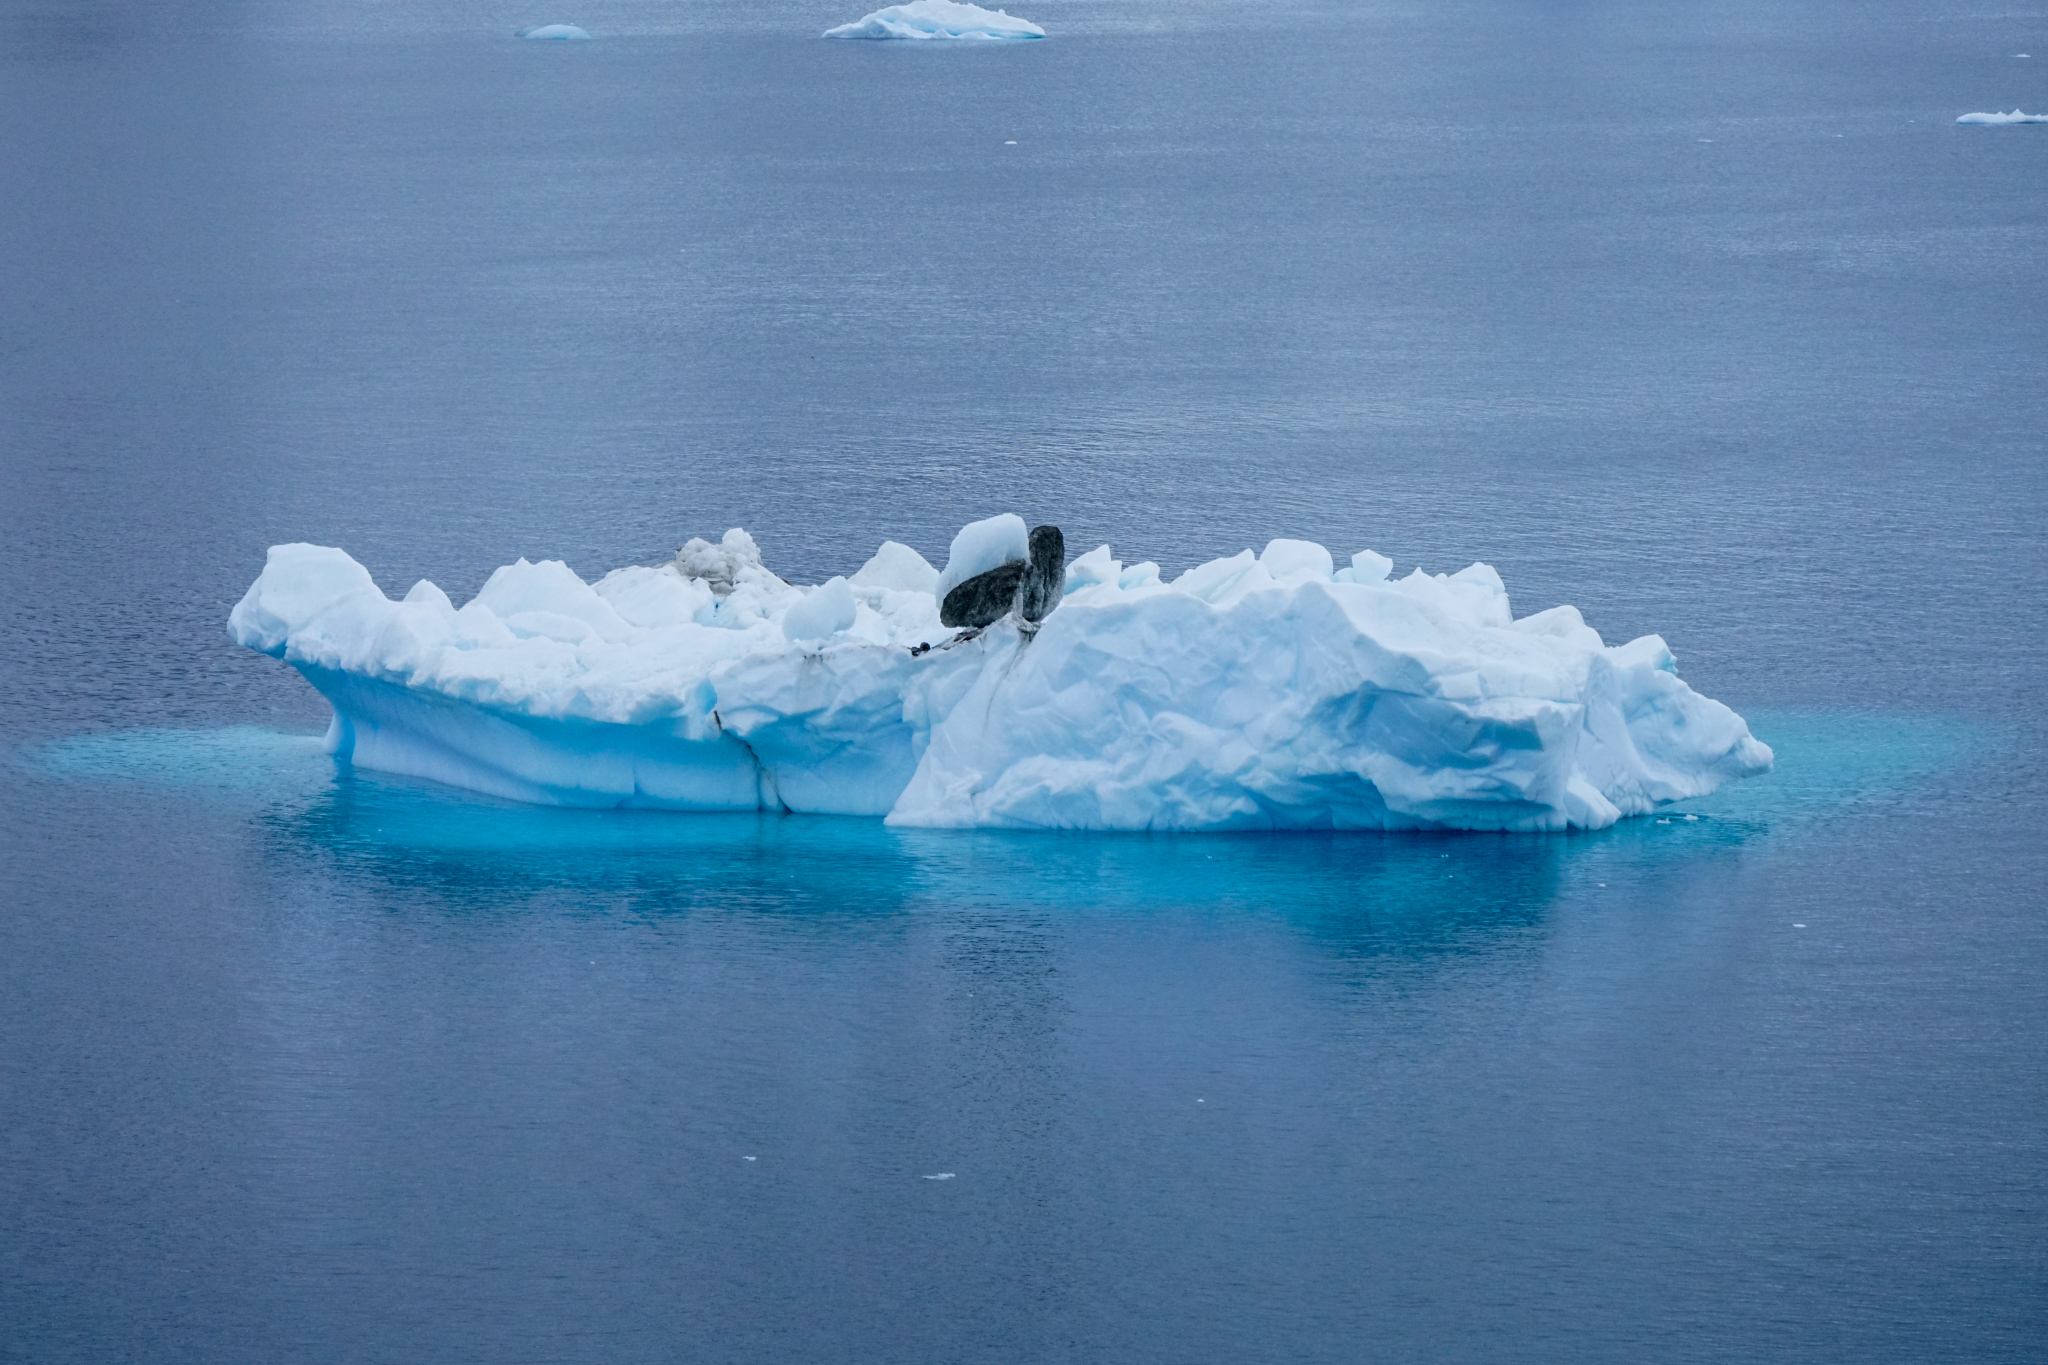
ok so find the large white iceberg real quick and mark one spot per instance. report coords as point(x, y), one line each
point(1259, 691)
point(560, 33)
point(1995, 118)
point(937, 19)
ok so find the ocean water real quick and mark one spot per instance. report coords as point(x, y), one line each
point(1707, 319)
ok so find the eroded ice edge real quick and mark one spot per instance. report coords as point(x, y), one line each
point(937, 19)
point(1254, 692)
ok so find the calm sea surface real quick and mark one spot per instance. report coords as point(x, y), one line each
point(1706, 318)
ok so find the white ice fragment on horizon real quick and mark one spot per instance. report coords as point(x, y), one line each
point(558, 32)
point(1994, 119)
point(942, 1175)
point(981, 546)
point(898, 568)
point(828, 609)
point(937, 19)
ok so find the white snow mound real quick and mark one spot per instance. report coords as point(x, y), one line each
point(981, 546)
point(565, 33)
point(1252, 692)
point(1996, 118)
point(937, 19)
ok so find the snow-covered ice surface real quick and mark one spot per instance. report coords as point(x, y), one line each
point(937, 19)
point(557, 32)
point(981, 546)
point(1258, 691)
point(1996, 118)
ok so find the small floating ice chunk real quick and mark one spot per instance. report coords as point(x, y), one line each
point(937, 19)
point(1994, 118)
point(942, 1175)
point(567, 33)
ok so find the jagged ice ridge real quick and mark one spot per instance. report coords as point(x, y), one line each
point(1271, 690)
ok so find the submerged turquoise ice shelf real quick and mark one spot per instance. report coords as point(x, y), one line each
point(1831, 768)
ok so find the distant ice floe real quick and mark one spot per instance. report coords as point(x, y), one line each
point(937, 19)
point(1270, 690)
point(558, 32)
point(1997, 118)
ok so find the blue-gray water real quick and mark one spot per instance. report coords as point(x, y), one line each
point(1706, 318)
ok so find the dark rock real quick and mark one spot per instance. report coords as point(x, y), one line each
point(1029, 589)
point(983, 599)
point(1045, 582)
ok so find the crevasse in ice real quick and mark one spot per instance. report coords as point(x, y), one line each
point(1270, 690)
point(937, 19)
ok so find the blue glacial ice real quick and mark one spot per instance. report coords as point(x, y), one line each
point(937, 19)
point(1994, 119)
point(556, 32)
point(1258, 691)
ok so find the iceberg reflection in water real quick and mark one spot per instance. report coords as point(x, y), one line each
point(1413, 889)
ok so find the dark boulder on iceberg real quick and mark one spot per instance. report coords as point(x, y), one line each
point(1046, 580)
point(985, 598)
point(1030, 588)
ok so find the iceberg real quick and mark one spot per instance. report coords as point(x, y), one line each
point(558, 32)
point(1268, 690)
point(937, 19)
point(1995, 118)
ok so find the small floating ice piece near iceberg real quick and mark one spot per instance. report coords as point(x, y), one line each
point(1257, 691)
point(558, 32)
point(1994, 118)
point(937, 19)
